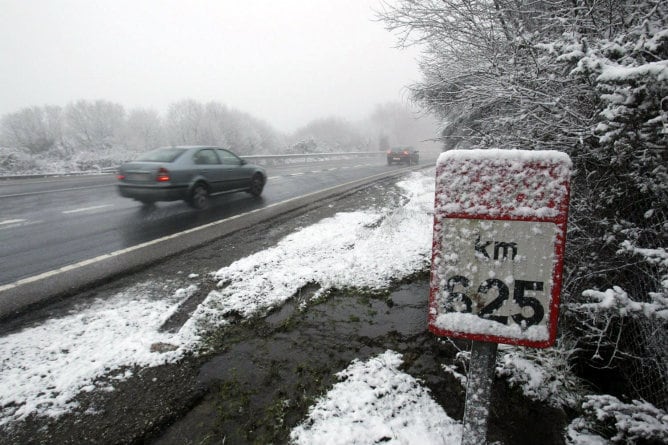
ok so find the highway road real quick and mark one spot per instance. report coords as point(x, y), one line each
point(48, 223)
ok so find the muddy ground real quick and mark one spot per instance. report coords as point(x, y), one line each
point(263, 374)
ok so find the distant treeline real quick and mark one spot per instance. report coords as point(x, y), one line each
point(87, 135)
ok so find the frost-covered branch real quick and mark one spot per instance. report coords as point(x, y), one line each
point(606, 417)
point(617, 301)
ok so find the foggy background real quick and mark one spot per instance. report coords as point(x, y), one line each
point(286, 62)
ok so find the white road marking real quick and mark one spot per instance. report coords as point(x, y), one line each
point(55, 191)
point(12, 221)
point(87, 209)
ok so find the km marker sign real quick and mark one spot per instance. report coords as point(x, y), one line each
point(499, 235)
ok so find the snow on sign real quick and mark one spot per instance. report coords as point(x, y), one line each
point(499, 235)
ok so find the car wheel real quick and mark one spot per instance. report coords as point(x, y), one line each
point(256, 186)
point(199, 197)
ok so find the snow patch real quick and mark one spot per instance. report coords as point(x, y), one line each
point(377, 403)
point(45, 366)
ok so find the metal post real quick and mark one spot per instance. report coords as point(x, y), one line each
point(478, 392)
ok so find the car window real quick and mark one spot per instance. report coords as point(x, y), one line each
point(402, 149)
point(161, 155)
point(229, 158)
point(206, 156)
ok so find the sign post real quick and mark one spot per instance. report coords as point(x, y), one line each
point(499, 235)
point(478, 392)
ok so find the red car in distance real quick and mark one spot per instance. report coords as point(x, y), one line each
point(406, 155)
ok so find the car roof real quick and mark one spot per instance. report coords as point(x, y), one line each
point(191, 147)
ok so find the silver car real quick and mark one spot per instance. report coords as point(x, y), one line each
point(190, 173)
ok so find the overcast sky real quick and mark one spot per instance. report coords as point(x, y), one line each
point(287, 62)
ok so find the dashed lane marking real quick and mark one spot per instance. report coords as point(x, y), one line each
point(41, 192)
point(15, 223)
point(87, 209)
point(12, 221)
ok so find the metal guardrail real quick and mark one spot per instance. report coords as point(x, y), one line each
point(257, 159)
point(106, 170)
point(309, 157)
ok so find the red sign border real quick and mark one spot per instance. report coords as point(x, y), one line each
point(557, 273)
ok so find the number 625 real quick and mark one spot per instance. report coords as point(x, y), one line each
point(460, 302)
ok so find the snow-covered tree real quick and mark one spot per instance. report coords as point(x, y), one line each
point(330, 134)
point(190, 122)
point(94, 126)
point(35, 129)
point(183, 123)
point(143, 130)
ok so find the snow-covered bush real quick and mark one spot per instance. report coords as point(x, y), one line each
point(630, 331)
point(544, 375)
point(15, 161)
point(608, 420)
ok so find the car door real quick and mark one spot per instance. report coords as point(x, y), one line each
point(235, 169)
point(208, 166)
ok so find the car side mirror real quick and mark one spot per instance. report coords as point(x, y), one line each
point(244, 162)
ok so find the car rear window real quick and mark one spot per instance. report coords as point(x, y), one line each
point(161, 155)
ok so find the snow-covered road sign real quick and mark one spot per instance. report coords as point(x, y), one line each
point(499, 234)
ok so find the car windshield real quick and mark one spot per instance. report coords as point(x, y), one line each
point(161, 155)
